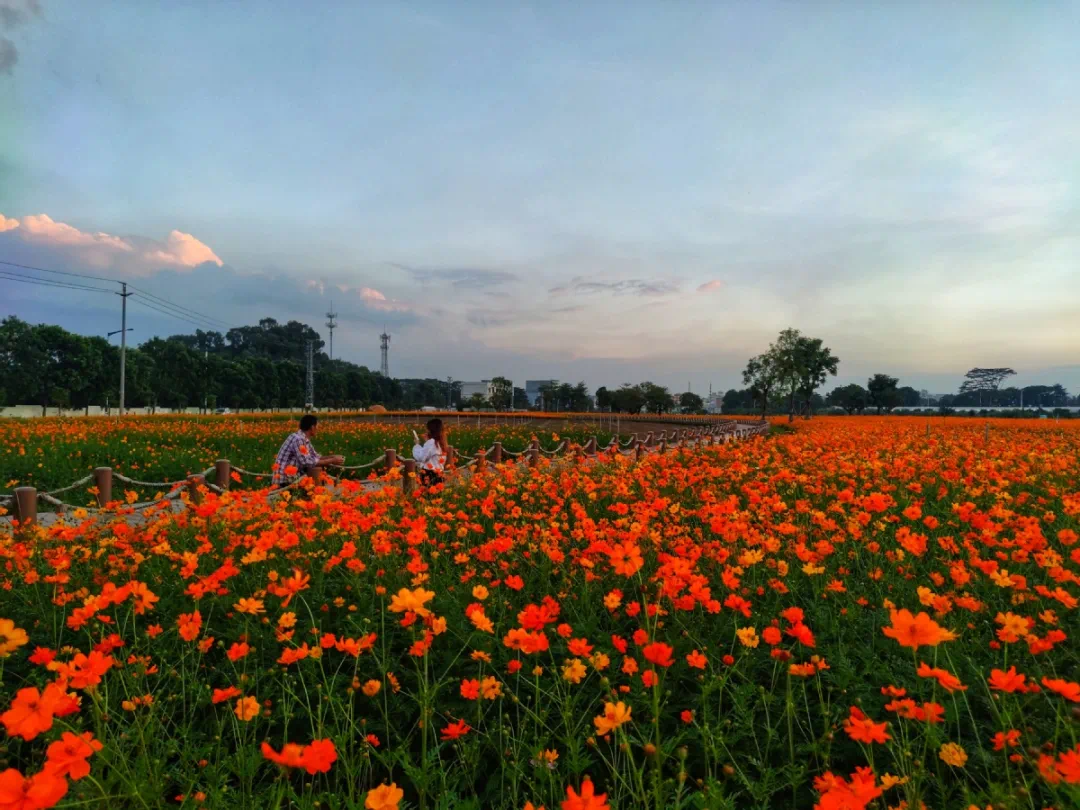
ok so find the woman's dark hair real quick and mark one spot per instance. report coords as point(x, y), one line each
point(435, 431)
point(308, 421)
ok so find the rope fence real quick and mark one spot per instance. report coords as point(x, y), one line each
point(23, 501)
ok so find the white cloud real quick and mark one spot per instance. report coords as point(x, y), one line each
point(129, 255)
point(710, 286)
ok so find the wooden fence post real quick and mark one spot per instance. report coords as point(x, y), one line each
point(663, 445)
point(103, 482)
point(496, 453)
point(391, 458)
point(481, 460)
point(222, 473)
point(408, 478)
point(534, 453)
point(193, 483)
point(451, 457)
point(25, 504)
point(638, 449)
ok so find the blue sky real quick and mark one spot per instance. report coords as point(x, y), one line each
point(599, 191)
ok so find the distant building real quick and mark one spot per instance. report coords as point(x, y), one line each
point(468, 389)
point(533, 390)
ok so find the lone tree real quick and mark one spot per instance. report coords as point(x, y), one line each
point(762, 376)
point(985, 379)
point(883, 392)
point(795, 366)
point(851, 398)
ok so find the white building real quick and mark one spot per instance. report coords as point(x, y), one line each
point(468, 389)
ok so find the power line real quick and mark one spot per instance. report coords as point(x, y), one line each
point(190, 311)
point(58, 272)
point(44, 282)
point(146, 302)
point(177, 311)
point(187, 313)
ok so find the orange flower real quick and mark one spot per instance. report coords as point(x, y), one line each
point(67, 756)
point(190, 624)
point(247, 708)
point(587, 799)
point(32, 711)
point(37, 792)
point(384, 797)
point(947, 680)
point(862, 729)
point(318, 756)
point(916, 631)
point(291, 755)
point(1070, 690)
point(455, 730)
point(1007, 681)
point(658, 653)
point(614, 716)
point(411, 601)
point(252, 607)
point(626, 559)
point(696, 660)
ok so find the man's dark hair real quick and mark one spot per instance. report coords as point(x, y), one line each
point(308, 421)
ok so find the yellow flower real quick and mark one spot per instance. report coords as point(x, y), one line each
point(888, 780)
point(490, 688)
point(384, 797)
point(287, 620)
point(371, 688)
point(411, 601)
point(953, 754)
point(251, 606)
point(573, 670)
point(480, 655)
point(480, 592)
point(614, 716)
point(748, 636)
point(600, 661)
point(247, 708)
point(11, 637)
point(613, 600)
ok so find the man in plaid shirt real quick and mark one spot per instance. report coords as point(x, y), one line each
point(297, 455)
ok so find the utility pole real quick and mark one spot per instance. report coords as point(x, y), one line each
point(206, 362)
point(449, 393)
point(123, 339)
point(331, 324)
point(310, 396)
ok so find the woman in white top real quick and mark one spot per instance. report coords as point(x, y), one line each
point(432, 454)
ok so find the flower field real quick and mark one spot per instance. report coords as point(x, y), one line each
point(52, 453)
point(856, 613)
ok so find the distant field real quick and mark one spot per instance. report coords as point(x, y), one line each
point(52, 453)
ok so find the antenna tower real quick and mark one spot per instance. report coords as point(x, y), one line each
point(309, 399)
point(331, 324)
point(384, 346)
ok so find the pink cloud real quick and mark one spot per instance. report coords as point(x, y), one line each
point(372, 298)
point(710, 286)
point(184, 250)
point(134, 255)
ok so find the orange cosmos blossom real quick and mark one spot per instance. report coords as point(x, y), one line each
point(1011, 681)
point(384, 797)
point(586, 799)
point(916, 631)
point(411, 601)
point(1070, 690)
point(67, 756)
point(37, 792)
point(862, 729)
point(32, 712)
point(947, 680)
point(614, 716)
